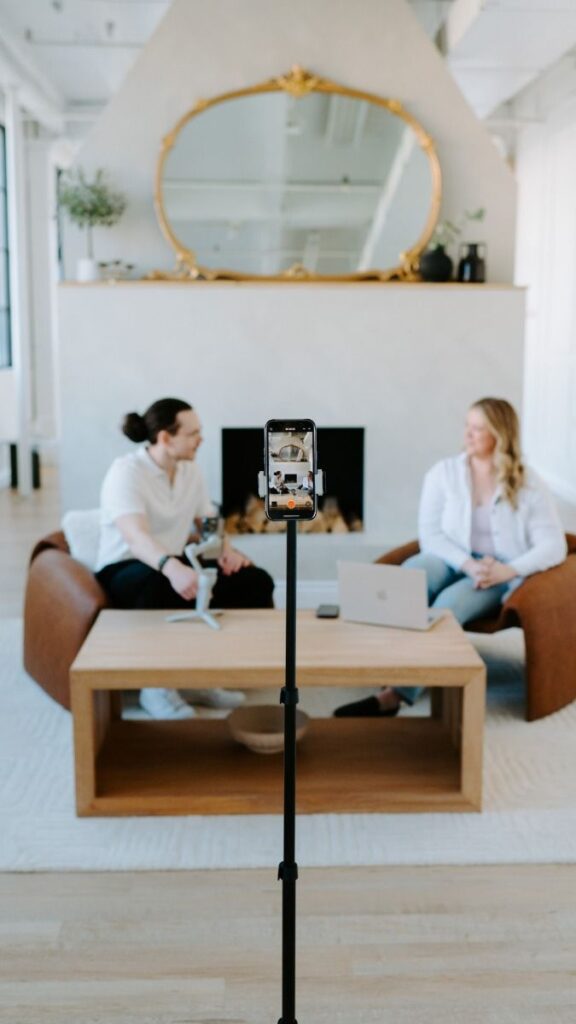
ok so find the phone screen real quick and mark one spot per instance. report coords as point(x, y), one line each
point(290, 467)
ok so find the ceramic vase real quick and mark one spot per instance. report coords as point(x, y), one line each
point(87, 270)
point(472, 263)
point(436, 265)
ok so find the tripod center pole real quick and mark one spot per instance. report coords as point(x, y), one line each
point(288, 869)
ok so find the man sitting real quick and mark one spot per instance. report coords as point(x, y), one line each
point(150, 500)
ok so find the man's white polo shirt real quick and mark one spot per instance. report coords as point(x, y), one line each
point(134, 484)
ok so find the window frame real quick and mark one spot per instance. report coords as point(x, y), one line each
point(6, 308)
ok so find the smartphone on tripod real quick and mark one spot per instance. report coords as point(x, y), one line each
point(290, 465)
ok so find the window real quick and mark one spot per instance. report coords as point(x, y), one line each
point(5, 336)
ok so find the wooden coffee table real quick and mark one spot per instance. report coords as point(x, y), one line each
point(193, 766)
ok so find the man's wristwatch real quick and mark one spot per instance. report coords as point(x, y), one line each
point(162, 561)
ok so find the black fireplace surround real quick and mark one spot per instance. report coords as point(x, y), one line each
point(340, 455)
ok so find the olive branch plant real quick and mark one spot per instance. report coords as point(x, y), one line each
point(447, 232)
point(90, 203)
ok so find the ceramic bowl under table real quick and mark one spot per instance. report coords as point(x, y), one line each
point(260, 727)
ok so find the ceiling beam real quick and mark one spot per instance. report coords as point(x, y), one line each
point(84, 44)
point(36, 94)
point(495, 48)
point(84, 111)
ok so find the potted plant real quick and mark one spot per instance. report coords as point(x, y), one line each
point(435, 263)
point(90, 203)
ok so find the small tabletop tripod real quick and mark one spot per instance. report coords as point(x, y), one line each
point(210, 544)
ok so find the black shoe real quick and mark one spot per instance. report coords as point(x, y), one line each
point(370, 707)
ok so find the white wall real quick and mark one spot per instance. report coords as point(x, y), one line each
point(403, 361)
point(204, 49)
point(546, 168)
point(8, 406)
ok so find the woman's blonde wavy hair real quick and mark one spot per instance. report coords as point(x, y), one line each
point(502, 421)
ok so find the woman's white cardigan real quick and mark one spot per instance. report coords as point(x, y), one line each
point(529, 537)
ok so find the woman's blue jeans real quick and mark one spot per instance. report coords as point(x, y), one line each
point(448, 588)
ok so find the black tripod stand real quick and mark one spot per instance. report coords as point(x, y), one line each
point(288, 868)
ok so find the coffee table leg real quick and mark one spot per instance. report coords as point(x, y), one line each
point(452, 713)
point(91, 712)
point(436, 701)
point(116, 704)
point(473, 714)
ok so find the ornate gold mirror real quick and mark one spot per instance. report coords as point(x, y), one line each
point(298, 178)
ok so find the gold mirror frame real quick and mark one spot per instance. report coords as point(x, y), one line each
point(298, 83)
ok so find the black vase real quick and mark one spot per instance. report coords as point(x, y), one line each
point(436, 265)
point(472, 263)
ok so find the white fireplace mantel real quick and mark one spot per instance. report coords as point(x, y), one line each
point(402, 360)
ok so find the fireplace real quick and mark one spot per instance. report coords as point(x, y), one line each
point(340, 455)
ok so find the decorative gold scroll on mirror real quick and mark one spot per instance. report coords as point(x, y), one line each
point(297, 178)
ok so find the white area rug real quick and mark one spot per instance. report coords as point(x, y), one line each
point(529, 816)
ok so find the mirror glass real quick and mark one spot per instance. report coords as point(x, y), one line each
point(263, 182)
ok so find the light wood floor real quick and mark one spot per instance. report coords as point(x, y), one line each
point(473, 945)
point(421, 945)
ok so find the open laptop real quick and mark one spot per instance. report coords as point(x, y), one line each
point(385, 595)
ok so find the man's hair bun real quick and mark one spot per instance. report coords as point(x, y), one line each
point(134, 426)
point(161, 415)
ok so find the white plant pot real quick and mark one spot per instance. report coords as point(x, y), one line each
point(87, 270)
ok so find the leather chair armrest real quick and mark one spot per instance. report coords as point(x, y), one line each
point(545, 607)
point(52, 540)
point(398, 555)
point(63, 599)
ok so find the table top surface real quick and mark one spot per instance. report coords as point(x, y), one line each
point(251, 645)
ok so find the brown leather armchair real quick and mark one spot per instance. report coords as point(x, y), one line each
point(545, 607)
point(63, 599)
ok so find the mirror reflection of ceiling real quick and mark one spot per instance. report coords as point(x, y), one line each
point(263, 182)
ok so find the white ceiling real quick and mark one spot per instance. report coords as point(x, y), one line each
point(73, 55)
point(495, 48)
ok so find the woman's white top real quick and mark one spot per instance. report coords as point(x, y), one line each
point(529, 537)
point(134, 484)
point(481, 537)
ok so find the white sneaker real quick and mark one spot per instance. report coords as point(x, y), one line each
point(224, 700)
point(165, 704)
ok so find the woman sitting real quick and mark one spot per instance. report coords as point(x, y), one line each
point(486, 522)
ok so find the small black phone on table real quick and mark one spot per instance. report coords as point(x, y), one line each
point(328, 611)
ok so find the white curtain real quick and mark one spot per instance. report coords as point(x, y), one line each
point(546, 263)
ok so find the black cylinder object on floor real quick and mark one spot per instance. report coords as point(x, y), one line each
point(35, 459)
point(472, 263)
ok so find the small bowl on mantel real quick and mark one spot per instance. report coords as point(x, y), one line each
point(260, 727)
